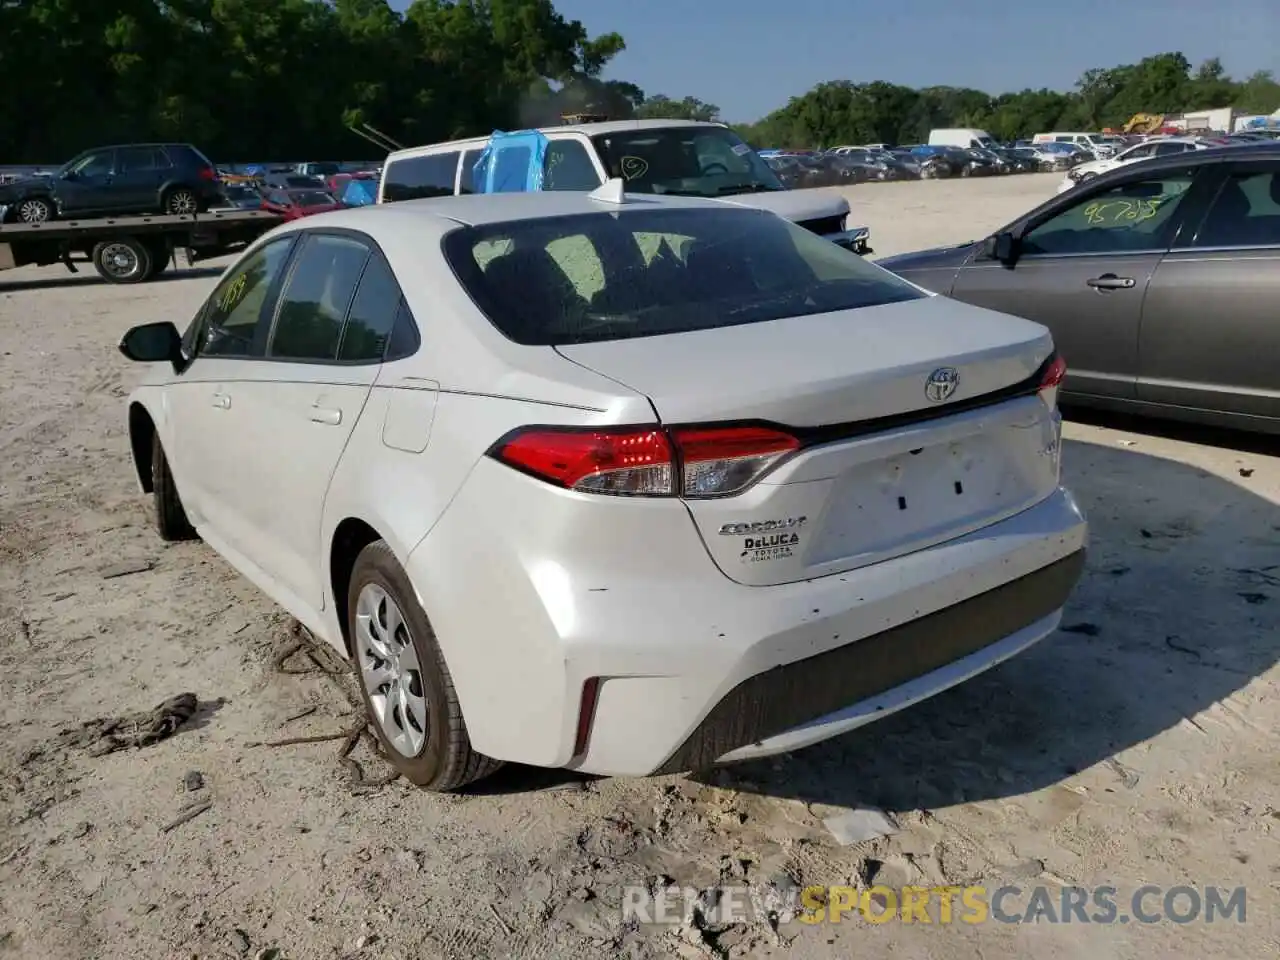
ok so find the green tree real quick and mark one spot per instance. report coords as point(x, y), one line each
point(661, 107)
point(279, 79)
point(1259, 93)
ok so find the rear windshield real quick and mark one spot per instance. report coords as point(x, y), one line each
point(690, 161)
point(642, 273)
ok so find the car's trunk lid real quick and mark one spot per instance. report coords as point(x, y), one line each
point(886, 468)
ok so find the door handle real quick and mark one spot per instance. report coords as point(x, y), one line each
point(222, 401)
point(325, 415)
point(1109, 281)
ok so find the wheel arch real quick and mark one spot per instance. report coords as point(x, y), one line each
point(351, 535)
point(176, 183)
point(142, 433)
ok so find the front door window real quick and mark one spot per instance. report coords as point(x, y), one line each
point(1128, 218)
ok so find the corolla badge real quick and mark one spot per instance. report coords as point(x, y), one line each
point(942, 383)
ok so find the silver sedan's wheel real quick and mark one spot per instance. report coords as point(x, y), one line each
point(390, 671)
point(35, 210)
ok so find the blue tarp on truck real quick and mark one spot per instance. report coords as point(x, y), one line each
point(511, 163)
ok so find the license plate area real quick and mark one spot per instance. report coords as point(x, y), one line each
point(923, 495)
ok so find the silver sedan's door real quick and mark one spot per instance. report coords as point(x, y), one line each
point(1210, 335)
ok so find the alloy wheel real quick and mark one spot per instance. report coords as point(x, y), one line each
point(34, 211)
point(390, 670)
point(182, 202)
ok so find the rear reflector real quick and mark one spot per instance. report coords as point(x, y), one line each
point(586, 715)
point(646, 461)
point(1054, 373)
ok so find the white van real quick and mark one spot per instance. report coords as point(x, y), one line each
point(652, 156)
point(966, 138)
point(1101, 145)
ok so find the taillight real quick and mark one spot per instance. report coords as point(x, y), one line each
point(1053, 376)
point(634, 461)
point(693, 462)
point(208, 173)
point(719, 462)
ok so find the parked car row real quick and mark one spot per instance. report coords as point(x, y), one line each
point(845, 165)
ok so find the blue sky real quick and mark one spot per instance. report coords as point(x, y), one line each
point(750, 56)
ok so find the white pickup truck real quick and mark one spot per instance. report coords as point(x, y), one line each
point(673, 157)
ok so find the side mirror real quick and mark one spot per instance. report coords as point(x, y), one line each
point(68, 175)
point(153, 343)
point(1002, 247)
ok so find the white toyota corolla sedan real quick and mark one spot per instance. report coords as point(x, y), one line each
point(629, 485)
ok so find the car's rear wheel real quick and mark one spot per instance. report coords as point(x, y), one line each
point(123, 260)
point(34, 210)
point(181, 200)
point(171, 519)
point(404, 680)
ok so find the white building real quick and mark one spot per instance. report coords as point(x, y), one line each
point(1219, 119)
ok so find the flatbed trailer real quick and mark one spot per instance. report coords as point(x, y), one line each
point(131, 249)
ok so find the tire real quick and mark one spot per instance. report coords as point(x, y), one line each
point(171, 519)
point(443, 760)
point(180, 200)
point(34, 210)
point(123, 260)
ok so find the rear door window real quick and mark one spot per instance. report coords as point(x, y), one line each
point(316, 297)
point(415, 178)
point(1246, 213)
point(374, 314)
point(137, 160)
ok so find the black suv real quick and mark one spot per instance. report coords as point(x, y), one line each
point(134, 178)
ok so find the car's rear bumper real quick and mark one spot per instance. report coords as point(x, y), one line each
point(529, 606)
point(805, 702)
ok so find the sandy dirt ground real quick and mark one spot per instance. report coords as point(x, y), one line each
point(1139, 745)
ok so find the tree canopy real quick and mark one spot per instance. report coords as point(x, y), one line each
point(845, 112)
point(280, 79)
point(274, 79)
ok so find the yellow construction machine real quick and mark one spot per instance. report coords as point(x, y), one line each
point(1144, 123)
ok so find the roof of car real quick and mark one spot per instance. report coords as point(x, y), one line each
point(1199, 158)
point(588, 129)
point(483, 208)
point(155, 143)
